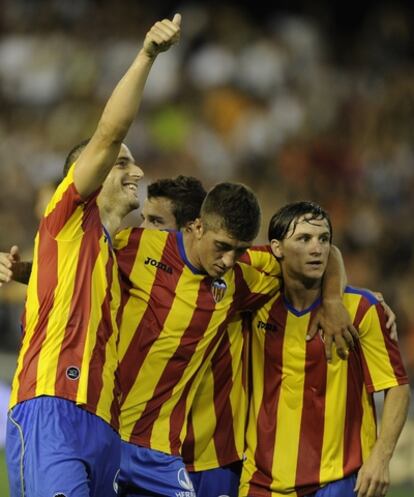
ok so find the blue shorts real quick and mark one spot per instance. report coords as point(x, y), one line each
point(150, 472)
point(54, 447)
point(217, 482)
point(339, 488)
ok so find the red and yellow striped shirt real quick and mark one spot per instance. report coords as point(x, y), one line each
point(69, 343)
point(173, 318)
point(310, 422)
point(217, 420)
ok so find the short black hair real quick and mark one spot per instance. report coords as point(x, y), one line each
point(236, 208)
point(186, 194)
point(73, 155)
point(281, 221)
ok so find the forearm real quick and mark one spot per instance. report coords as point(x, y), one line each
point(123, 105)
point(334, 280)
point(394, 415)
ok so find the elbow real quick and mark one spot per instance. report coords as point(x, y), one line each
point(111, 133)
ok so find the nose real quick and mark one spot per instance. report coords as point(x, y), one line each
point(316, 247)
point(229, 259)
point(136, 172)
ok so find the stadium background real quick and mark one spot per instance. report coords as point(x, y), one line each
point(303, 100)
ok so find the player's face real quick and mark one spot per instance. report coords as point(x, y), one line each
point(157, 214)
point(217, 250)
point(305, 250)
point(121, 184)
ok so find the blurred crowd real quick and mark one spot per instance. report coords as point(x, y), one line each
point(293, 103)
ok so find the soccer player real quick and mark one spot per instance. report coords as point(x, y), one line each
point(63, 409)
point(312, 429)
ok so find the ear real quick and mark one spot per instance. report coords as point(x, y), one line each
point(188, 227)
point(197, 228)
point(276, 247)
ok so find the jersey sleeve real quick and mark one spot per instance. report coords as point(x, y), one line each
point(255, 287)
point(262, 259)
point(382, 363)
point(68, 215)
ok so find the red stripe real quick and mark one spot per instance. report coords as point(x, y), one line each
point(105, 331)
point(176, 366)
point(177, 417)
point(267, 417)
point(313, 414)
point(392, 349)
point(152, 322)
point(352, 456)
point(126, 259)
point(246, 330)
point(73, 343)
point(64, 209)
point(46, 285)
point(222, 369)
point(188, 448)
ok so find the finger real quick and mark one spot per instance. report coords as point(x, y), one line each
point(312, 330)
point(14, 252)
point(177, 19)
point(341, 347)
point(5, 260)
point(394, 332)
point(349, 340)
point(328, 348)
point(372, 489)
point(391, 318)
point(354, 332)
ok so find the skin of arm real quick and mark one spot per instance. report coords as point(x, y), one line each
point(333, 318)
point(373, 477)
point(98, 157)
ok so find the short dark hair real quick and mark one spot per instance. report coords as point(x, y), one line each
point(186, 194)
point(73, 155)
point(236, 208)
point(281, 221)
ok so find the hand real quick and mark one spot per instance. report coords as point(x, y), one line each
point(373, 477)
point(6, 264)
point(335, 323)
point(162, 36)
point(391, 318)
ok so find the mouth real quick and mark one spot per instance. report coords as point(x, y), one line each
point(132, 187)
point(314, 264)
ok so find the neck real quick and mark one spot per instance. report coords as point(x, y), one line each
point(190, 247)
point(301, 294)
point(111, 218)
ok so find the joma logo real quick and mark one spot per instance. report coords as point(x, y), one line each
point(158, 265)
point(266, 326)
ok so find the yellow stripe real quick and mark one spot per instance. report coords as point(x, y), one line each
point(290, 402)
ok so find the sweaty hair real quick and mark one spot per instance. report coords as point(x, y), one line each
point(73, 155)
point(185, 193)
point(281, 221)
point(232, 207)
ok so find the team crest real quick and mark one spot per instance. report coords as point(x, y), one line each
point(218, 289)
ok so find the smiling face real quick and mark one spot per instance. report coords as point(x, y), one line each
point(303, 253)
point(120, 188)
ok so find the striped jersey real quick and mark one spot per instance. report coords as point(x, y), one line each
point(69, 342)
point(217, 420)
point(173, 318)
point(311, 422)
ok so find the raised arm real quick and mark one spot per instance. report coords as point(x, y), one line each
point(373, 477)
point(98, 157)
